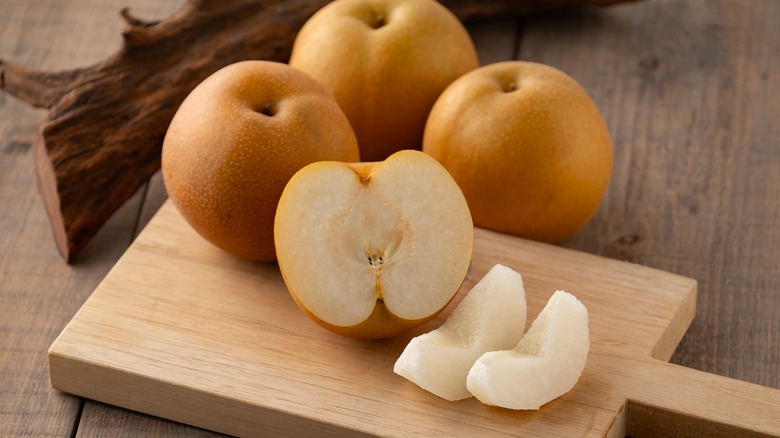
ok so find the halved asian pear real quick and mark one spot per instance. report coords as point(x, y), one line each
point(369, 250)
point(546, 364)
point(491, 317)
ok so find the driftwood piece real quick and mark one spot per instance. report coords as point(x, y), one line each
point(103, 134)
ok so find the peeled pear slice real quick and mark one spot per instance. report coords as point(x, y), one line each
point(544, 365)
point(491, 317)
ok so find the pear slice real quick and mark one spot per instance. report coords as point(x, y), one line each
point(491, 317)
point(544, 365)
point(368, 250)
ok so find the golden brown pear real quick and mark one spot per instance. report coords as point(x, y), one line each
point(527, 146)
point(235, 142)
point(385, 62)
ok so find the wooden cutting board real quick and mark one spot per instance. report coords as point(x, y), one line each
point(181, 330)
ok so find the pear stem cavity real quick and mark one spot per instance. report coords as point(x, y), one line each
point(267, 110)
point(379, 21)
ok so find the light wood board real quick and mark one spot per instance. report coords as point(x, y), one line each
point(181, 330)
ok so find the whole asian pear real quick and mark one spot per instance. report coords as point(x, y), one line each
point(235, 142)
point(385, 62)
point(528, 147)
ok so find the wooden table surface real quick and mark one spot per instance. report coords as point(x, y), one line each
point(690, 92)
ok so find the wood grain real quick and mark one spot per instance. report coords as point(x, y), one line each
point(181, 330)
point(686, 88)
point(38, 294)
point(696, 184)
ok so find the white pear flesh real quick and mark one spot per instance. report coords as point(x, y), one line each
point(370, 249)
point(544, 365)
point(491, 317)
